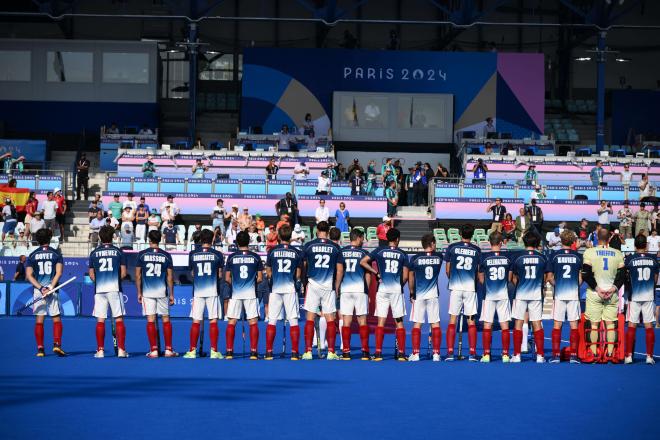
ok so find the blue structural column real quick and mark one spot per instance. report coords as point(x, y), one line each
point(600, 91)
point(192, 80)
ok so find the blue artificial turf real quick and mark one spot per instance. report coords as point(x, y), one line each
point(83, 397)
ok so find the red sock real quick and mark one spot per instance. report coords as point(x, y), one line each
point(416, 339)
point(517, 341)
point(472, 338)
point(650, 341)
point(167, 334)
point(346, 338)
point(229, 336)
point(309, 334)
point(436, 336)
point(151, 334)
point(401, 339)
point(39, 334)
point(294, 330)
point(451, 337)
point(194, 335)
point(120, 331)
point(556, 341)
point(630, 340)
point(57, 333)
point(100, 335)
point(331, 336)
point(364, 337)
point(254, 337)
point(506, 337)
point(574, 339)
point(380, 335)
point(270, 337)
point(539, 339)
point(487, 337)
point(214, 332)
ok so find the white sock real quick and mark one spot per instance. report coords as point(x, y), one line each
point(525, 331)
point(323, 326)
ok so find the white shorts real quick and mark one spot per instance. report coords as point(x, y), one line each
point(490, 306)
point(534, 307)
point(113, 299)
point(429, 308)
point(465, 299)
point(566, 310)
point(210, 303)
point(358, 302)
point(645, 308)
point(153, 306)
point(235, 308)
point(49, 306)
point(385, 301)
point(317, 298)
point(286, 301)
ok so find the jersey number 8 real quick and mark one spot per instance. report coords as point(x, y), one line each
point(243, 272)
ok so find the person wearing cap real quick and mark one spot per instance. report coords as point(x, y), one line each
point(381, 231)
point(171, 207)
point(642, 220)
point(153, 222)
point(537, 193)
point(498, 210)
point(324, 183)
point(82, 176)
point(357, 182)
point(127, 215)
point(170, 236)
point(392, 199)
point(531, 176)
point(604, 212)
point(284, 220)
point(355, 166)
point(301, 171)
point(36, 223)
point(49, 208)
point(244, 220)
point(148, 168)
point(9, 217)
point(322, 214)
point(130, 203)
point(554, 241)
point(297, 236)
point(116, 206)
point(93, 209)
point(61, 210)
point(127, 237)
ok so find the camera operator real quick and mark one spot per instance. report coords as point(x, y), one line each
point(604, 212)
point(479, 171)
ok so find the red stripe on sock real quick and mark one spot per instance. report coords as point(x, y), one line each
point(120, 331)
point(650, 341)
point(346, 338)
point(214, 333)
point(487, 336)
point(194, 335)
point(517, 341)
point(309, 335)
point(100, 335)
point(416, 339)
point(331, 335)
point(167, 334)
point(39, 334)
point(254, 337)
point(270, 336)
point(364, 337)
point(451, 338)
point(436, 336)
point(294, 330)
point(229, 336)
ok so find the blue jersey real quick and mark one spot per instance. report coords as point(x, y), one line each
point(154, 264)
point(565, 265)
point(496, 267)
point(529, 267)
point(283, 260)
point(106, 260)
point(322, 257)
point(463, 259)
point(43, 262)
point(390, 262)
point(642, 270)
point(206, 265)
point(426, 267)
point(355, 277)
point(244, 267)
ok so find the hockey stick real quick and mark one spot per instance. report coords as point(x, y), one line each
point(114, 335)
point(460, 357)
point(317, 327)
point(200, 349)
point(428, 344)
point(283, 354)
point(160, 353)
point(43, 297)
point(243, 332)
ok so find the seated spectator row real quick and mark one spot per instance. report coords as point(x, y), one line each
point(549, 192)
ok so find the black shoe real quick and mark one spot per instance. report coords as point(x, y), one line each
point(346, 356)
point(268, 357)
point(229, 354)
point(41, 352)
point(295, 356)
point(254, 355)
point(401, 357)
point(58, 350)
point(378, 356)
point(365, 356)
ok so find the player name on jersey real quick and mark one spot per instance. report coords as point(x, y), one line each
point(154, 258)
point(465, 251)
point(497, 262)
point(568, 259)
point(322, 249)
point(199, 257)
point(642, 262)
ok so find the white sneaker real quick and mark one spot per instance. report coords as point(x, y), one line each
point(628, 360)
point(122, 353)
point(152, 354)
point(99, 354)
point(515, 359)
point(540, 359)
point(413, 358)
point(650, 360)
point(436, 357)
point(171, 353)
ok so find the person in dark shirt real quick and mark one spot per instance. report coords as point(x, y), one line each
point(82, 176)
point(20, 269)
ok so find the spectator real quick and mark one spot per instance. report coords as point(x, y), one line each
point(625, 217)
point(198, 169)
point(388, 177)
point(111, 220)
point(642, 220)
point(233, 214)
point(554, 241)
point(508, 228)
point(370, 190)
point(498, 211)
point(301, 171)
point(409, 187)
point(93, 209)
point(145, 130)
point(284, 220)
point(31, 207)
point(488, 128)
point(219, 215)
point(442, 173)
point(308, 128)
point(82, 176)
point(271, 238)
point(428, 178)
point(355, 166)
point(271, 169)
point(604, 212)
point(538, 193)
point(9, 217)
point(218, 237)
point(297, 236)
point(479, 172)
point(392, 199)
point(531, 176)
point(61, 210)
point(173, 210)
point(141, 219)
point(626, 175)
point(143, 203)
point(488, 149)
point(129, 203)
point(342, 218)
point(36, 223)
point(283, 138)
point(116, 207)
point(645, 189)
point(196, 236)
point(126, 236)
point(170, 236)
point(349, 41)
point(357, 182)
point(153, 222)
point(232, 232)
point(388, 166)
point(148, 168)
point(523, 223)
point(99, 202)
point(259, 223)
point(324, 183)
point(322, 214)
point(127, 215)
point(113, 129)
point(288, 205)
point(381, 231)
point(7, 163)
point(198, 145)
point(653, 242)
point(50, 212)
point(536, 216)
point(19, 273)
point(95, 225)
point(655, 217)
point(597, 173)
point(582, 232)
point(332, 173)
point(19, 165)
point(244, 220)
point(255, 239)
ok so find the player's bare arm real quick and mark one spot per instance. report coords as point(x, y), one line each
point(339, 276)
point(59, 267)
point(411, 284)
point(365, 263)
point(170, 284)
point(448, 269)
point(138, 283)
point(92, 274)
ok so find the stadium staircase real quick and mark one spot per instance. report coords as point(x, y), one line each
point(413, 222)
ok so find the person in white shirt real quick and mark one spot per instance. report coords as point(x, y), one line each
point(49, 208)
point(169, 209)
point(297, 236)
point(129, 203)
point(554, 241)
point(489, 127)
point(626, 175)
point(604, 212)
point(645, 188)
point(537, 193)
point(283, 138)
point(36, 223)
point(322, 214)
point(323, 187)
point(653, 242)
point(301, 171)
point(233, 230)
point(112, 221)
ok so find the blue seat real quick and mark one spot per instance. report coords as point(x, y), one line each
point(583, 152)
point(182, 145)
point(254, 187)
point(119, 184)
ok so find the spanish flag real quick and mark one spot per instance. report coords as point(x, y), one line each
point(18, 196)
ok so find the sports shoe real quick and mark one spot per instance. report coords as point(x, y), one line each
point(574, 359)
point(269, 356)
point(307, 356)
point(650, 360)
point(555, 359)
point(295, 356)
point(169, 353)
point(41, 352)
point(365, 356)
point(378, 356)
point(254, 355)
point(99, 353)
point(506, 359)
point(229, 354)
point(192, 354)
point(122, 353)
point(540, 359)
point(413, 357)
point(401, 357)
point(515, 359)
point(346, 356)
point(216, 355)
point(472, 358)
point(58, 351)
point(450, 357)
point(485, 358)
point(332, 356)
point(152, 354)
point(436, 357)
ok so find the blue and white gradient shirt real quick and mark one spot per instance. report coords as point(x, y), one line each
point(565, 265)
point(283, 261)
point(205, 264)
point(322, 257)
point(642, 270)
point(390, 262)
point(496, 267)
point(464, 261)
point(154, 263)
point(244, 267)
point(106, 260)
point(529, 267)
point(426, 267)
point(43, 261)
point(355, 277)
